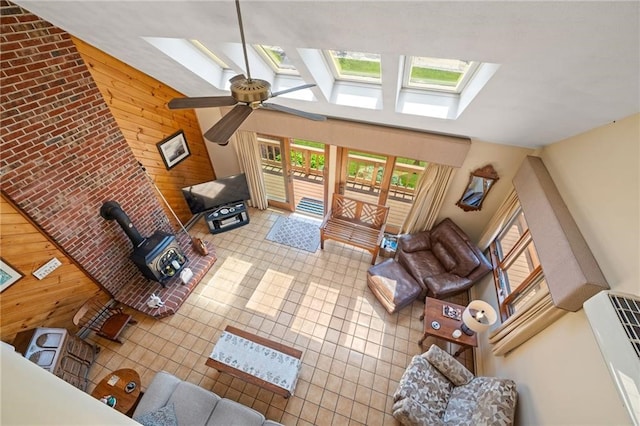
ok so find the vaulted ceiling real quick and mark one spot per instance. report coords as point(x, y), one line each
point(563, 67)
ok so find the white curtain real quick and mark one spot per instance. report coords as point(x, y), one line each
point(534, 317)
point(499, 219)
point(248, 151)
point(430, 193)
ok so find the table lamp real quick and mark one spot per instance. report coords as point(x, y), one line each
point(477, 317)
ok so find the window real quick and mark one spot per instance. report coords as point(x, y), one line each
point(518, 274)
point(277, 59)
point(355, 66)
point(446, 75)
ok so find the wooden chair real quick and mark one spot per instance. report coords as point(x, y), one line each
point(105, 321)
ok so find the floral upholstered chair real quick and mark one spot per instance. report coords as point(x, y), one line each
point(436, 389)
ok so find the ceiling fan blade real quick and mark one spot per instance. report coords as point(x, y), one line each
point(293, 89)
point(309, 115)
point(202, 102)
point(227, 125)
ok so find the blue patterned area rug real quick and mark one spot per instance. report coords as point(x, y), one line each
point(295, 233)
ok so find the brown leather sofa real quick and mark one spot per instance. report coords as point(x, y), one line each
point(442, 260)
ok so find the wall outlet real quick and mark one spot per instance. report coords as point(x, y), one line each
point(47, 268)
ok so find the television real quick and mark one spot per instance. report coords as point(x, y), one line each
point(210, 195)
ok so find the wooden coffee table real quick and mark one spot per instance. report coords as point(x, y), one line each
point(124, 401)
point(250, 378)
point(433, 312)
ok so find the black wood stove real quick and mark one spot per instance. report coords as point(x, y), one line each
point(159, 257)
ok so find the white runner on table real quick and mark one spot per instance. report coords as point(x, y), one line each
point(258, 360)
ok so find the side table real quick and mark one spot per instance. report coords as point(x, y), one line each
point(119, 379)
point(433, 312)
point(389, 245)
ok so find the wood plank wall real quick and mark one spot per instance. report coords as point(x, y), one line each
point(29, 303)
point(139, 104)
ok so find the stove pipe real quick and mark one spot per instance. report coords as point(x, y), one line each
point(111, 210)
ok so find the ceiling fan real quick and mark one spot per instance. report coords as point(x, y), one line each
point(247, 94)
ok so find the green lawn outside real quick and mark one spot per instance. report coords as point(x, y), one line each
point(359, 67)
point(430, 75)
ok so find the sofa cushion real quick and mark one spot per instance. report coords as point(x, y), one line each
point(443, 256)
point(231, 413)
point(158, 393)
point(415, 242)
point(446, 284)
point(456, 245)
point(163, 416)
point(448, 366)
point(193, 404)
point(421, 264)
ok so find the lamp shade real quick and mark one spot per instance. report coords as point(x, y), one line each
point(479, 316)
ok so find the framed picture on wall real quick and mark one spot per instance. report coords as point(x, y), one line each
point(8, 275)
point(174, 149)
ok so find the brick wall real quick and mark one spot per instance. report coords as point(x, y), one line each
point(62, 153)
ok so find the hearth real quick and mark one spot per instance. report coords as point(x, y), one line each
point(158, 257)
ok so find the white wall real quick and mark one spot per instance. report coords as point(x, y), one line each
point(562, 378)
point(32, 396)
point(505, 160)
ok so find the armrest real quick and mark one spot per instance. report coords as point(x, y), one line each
point(411, 413)
point(326, 218)
point(496, 403)
point(415, 242)
point(448, 366)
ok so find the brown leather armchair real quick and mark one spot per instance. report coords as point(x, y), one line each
point(442, 260)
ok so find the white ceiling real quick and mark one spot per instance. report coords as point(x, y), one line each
point(565, 67)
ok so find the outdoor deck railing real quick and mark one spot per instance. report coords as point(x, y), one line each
point(367, 172)
point(366, 175)
point(306, 161)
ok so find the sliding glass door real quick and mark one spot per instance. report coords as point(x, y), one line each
point(274, 152)
point(380, 179)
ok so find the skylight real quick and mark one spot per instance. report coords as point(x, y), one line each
point(201, 47)
point(355, 66)
point(277, 59)
point(447, 75)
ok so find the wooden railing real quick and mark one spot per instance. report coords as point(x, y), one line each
point(307, 156)
point(305, 161)
point(367, 173)
point(270, 153)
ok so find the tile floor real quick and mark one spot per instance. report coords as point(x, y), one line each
point(354, 352)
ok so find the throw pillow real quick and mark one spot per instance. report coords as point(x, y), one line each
point(163, 416)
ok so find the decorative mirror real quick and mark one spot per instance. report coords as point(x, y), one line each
point(480, 182)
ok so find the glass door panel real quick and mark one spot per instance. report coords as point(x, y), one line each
point(275, 170)
point(308, 159)
point(364, 176)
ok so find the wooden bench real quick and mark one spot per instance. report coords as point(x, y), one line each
point(356, 223)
